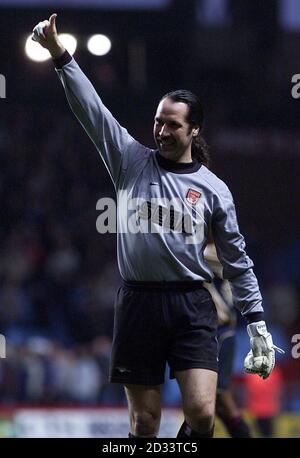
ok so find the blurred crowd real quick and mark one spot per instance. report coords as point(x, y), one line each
point(58, 277)
point(42, 371)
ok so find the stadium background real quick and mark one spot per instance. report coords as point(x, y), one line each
point(58, 276)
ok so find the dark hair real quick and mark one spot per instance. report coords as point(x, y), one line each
point(195, 116)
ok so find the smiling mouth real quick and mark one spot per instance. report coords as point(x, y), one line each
point(166, 145)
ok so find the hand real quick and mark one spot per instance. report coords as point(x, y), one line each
point(261, 358)
point(45, 33)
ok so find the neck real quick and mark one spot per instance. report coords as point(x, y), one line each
point(177, 167)
point(185, 158)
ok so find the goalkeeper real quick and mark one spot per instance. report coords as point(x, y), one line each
point(163, 312)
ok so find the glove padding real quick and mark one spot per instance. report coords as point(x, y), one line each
point(261, 358)
point(38, 31)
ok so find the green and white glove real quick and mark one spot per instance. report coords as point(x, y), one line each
point(261, 358)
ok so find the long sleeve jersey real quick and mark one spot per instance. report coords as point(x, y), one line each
point(165, 210)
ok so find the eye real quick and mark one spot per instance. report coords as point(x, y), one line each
point(174, 125)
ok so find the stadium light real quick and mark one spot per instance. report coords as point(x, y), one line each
point(99, 45)
point(35, 51)
point(69, 42)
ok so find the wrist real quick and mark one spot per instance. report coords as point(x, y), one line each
point(56, 50)
point(257, 329)
point(254, 317)
point(63, 60)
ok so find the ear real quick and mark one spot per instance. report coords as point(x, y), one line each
point(196, 131)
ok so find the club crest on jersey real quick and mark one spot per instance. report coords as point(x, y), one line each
point(193, 196)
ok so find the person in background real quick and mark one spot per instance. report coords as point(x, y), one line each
point(226, 406)
point(263, 401)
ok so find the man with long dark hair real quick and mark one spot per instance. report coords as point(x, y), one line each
point(168, 202)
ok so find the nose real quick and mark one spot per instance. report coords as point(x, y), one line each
point(163, 131)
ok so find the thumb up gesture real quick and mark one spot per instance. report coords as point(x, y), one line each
point(45, 33)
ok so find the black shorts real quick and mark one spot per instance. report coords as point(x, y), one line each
point(157, 323)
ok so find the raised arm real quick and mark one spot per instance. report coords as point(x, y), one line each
point(112, 141)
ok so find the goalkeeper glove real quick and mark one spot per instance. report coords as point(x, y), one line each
point(261, 358)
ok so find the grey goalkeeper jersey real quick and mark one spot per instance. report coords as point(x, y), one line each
point(165, 210)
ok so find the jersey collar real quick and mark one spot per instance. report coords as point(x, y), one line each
point(177, 167)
